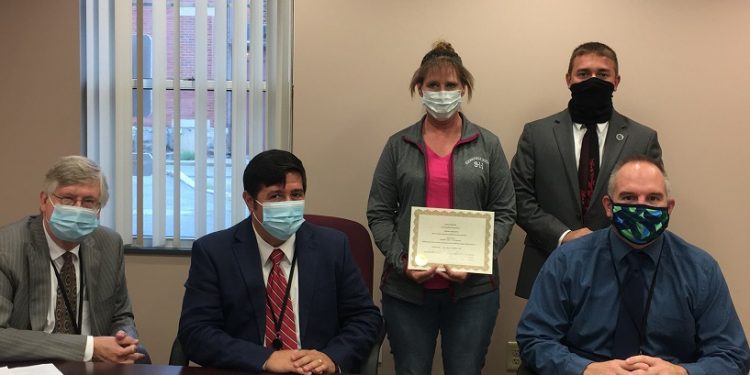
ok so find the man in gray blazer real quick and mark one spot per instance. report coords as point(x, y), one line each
point(550, 187)
point(62, 282)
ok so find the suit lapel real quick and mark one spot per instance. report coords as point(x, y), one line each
point(617, 136)
point(91, 260)
point(245, 249)
point(37, 253)
point(563, 129)
point(307, 263)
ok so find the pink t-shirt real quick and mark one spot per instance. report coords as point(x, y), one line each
point(438, 196)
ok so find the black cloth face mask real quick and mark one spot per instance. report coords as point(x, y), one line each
point(591, 101)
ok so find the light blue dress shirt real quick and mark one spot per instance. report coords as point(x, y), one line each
point(571, 315)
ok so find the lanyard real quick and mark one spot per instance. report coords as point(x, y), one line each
point(277, 322)
point(641, 332)
point(76, 323)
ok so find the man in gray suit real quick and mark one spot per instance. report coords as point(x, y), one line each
point(62, 282)
point(557, 201)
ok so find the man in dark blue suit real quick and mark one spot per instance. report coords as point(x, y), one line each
point(326, 321)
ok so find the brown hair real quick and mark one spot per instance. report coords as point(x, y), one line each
point(597, 48)
point(440, 56)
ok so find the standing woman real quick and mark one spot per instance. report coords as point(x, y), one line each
point(443, 161)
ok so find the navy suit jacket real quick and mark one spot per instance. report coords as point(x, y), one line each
point(223, 312)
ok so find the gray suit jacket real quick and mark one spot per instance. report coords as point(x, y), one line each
point(545, 178)
point(25, 292)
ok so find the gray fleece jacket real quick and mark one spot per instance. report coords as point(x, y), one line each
point(479, 180)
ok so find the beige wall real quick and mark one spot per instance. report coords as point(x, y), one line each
point(683, 73)
point(40, 103)
point(683, 68)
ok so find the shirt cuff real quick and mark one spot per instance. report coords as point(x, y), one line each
point(693, 368)
point(576, 364)
point(88, 353)
point(559, 240)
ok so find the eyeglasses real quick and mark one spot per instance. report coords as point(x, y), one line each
point(90, 203)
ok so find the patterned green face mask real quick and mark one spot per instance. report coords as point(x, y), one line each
point(638, 223)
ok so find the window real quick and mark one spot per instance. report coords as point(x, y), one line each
point(179, 96)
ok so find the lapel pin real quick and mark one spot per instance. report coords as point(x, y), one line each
point(620, 137)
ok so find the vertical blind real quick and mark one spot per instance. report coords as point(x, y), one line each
point(179, 96)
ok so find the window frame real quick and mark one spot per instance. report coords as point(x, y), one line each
point(108, 99)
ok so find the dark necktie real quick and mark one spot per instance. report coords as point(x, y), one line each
point(626, 341)
point(276, 290)
point(63, 320)
point(588, 165)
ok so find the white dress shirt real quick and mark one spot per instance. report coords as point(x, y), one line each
point(578, 132)
point(286, 265)
point(56, 253)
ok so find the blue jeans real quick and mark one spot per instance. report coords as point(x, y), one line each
point(465, 326)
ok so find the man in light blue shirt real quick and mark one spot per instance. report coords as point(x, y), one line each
point(581, 320)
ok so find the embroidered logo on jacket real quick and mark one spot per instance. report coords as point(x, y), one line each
point(478, 162)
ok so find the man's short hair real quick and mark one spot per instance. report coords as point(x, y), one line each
point(597, 48)
point(637, 158)
point(270, 168)
point(75, 170)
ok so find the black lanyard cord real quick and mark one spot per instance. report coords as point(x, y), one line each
point(76, 323)
point(649, 297)
point(277, 323)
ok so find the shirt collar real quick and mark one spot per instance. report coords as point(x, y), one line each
point(55, 251)
point(266, 249)
point(600, 126)
point(620, 248)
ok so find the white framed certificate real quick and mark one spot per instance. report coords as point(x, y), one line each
point(460, 239)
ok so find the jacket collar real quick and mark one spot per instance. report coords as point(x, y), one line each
point(37, 253)
point(245, 249)
point(247, 255)
point(469, 132)
point(617, 136)
point(38, 256)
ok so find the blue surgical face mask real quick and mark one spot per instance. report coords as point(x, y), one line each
point(72, 223)
point(282, 219)
point(638, 223)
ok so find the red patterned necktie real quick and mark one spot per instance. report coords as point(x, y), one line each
point(588, 165)
point(286, 335)
point(63, 320)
